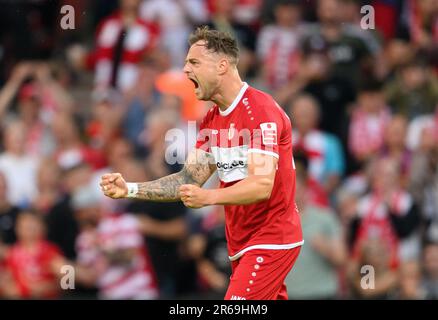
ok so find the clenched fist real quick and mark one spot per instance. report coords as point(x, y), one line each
point(195, 197)
point(114, 186)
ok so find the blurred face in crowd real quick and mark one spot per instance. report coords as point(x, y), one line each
point(129, 5)
point(29, 105)
point(305, 114)
point(431, 260)
point(29, 228)
point(375, 253)
point(64, 129)
point(329, 11)
point(350, 11)
point(371, 101)
point(385, 175)
point(158, 125)
point(119, 151)
point(77, 177)
point(224, 7)
point(428, 139)
point(89, 216)
point(204, 69)
point(15, 138)
point(48, 175)
point(428, 7)
point(396, 131)
point(414, 76)
point(398, 52)
point(133, 171)
point(287, 15)
point(410, 279)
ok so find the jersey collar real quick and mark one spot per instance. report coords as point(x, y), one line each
point(235, 102)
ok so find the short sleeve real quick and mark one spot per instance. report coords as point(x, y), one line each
point(266, 129)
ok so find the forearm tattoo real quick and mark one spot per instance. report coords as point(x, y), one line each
point(198, 168)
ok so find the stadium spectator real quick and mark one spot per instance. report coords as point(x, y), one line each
point(18, 167)
point(326, 159)
point(394, 146)
point(123, 40)
point(139, 103)
point(423, 23)
point(33, 264)
point(387, 214)
point(278, 45)
point(175, 19)
point(410, 287)
point(414, 91)
point(62, 228)
point(208, 247)
point(374, 262)
point(430, 281)
point(222, 19)
point(163, 225)
point(111, 252)
point(48, 186)
point(350, 52)
point(369, 120)
point(424, 180)
point(8, 216)
point(334, 93)
point(70, 149)
point(106, 117)
point(315, 275)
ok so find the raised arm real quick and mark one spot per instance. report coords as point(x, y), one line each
point(198, 168)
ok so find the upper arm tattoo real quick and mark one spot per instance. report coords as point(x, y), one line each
point(198, 168)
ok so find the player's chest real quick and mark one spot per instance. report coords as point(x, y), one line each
point(229, 143)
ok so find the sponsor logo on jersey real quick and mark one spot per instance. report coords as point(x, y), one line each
point(233, 297)
point(269, 133)
point(231, 165)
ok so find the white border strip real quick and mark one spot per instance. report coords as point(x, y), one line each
point(266, 246)
point(235, 102)
point(269, 153)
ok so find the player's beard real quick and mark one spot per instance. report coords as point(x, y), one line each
point(207, 91)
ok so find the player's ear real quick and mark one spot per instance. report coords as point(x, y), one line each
point(223, 66)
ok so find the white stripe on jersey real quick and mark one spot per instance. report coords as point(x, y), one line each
point(235, 102)
point(268, 247)
point(269, 153)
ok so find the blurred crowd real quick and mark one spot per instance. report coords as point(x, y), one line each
point(100, 97)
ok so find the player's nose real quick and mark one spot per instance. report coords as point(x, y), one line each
point(186, 69)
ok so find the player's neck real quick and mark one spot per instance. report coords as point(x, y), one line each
point(228, 93)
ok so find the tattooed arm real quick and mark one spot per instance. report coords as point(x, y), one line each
point(198, 168)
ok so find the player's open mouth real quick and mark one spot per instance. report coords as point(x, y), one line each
point(195, 83)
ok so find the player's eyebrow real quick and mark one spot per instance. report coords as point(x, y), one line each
point(191, 60)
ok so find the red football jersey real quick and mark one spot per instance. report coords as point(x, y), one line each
point(33, 267)
point(254, 123)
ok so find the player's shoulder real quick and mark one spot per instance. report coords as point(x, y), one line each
point(262, 104)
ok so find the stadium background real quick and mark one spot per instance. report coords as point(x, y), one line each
point(75, 103)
